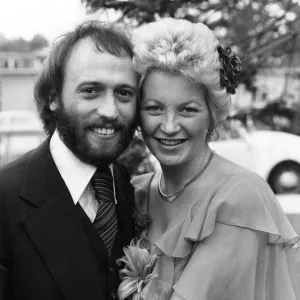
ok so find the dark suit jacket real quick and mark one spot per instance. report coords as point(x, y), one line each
point(48, 246)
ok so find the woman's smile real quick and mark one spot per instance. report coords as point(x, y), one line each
point(170, 143)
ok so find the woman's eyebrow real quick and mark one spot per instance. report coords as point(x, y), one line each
point(152, 99)
point(191, 101)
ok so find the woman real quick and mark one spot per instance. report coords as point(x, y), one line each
point(217, 229)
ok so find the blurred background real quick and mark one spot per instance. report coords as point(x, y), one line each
point(263, 131)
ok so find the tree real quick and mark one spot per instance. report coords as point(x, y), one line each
point(38, 42)
point(260, 30)
point(18, 44)
point(21, 45)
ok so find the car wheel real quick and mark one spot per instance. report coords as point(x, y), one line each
point(285, 178)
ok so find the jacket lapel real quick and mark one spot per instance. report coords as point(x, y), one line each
point(56, 229)
point(124, 209)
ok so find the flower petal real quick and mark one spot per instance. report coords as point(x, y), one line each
point(126, 288)
point(138, 269)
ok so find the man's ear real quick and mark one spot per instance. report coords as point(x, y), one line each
point(53, 105)
point(54, 101)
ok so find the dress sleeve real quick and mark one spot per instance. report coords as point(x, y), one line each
point(235, 263)
point(246, 251)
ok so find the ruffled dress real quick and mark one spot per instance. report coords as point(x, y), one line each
point(232, 241)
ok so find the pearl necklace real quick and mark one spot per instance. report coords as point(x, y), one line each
point(174, 196)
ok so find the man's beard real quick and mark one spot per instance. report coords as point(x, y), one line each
point(74, 135)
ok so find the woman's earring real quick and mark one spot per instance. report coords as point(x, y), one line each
point(210, 131)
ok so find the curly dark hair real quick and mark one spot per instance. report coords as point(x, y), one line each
point(49, 85)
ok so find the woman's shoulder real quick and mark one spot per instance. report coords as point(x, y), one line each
point(242, 198)
point(237, 184)
point(228, 169)
point(229, 181)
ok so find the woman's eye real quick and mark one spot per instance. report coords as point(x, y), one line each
point(153, 109)
point(189, 110)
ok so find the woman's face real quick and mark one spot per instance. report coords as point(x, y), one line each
point(174, 118)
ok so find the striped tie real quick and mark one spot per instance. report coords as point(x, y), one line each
point(106, 219)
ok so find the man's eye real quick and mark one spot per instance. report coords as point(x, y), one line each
point(88, 90)
point(125, 93)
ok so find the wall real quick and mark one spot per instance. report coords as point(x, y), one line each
point(16, 91)
point(274, 83)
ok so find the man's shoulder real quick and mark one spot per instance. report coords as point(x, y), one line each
point(12, 172)
point(16, 165)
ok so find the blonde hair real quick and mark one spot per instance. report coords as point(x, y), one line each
point(186, 48)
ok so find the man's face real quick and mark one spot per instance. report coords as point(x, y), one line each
point(97, 108)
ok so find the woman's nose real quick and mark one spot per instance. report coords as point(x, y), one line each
point(170, 124)
point(107, 107)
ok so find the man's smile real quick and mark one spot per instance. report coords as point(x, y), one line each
point(103, 130)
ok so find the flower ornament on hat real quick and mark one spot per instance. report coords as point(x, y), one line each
point(231, 67)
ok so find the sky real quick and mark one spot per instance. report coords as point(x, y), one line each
point(51, 18)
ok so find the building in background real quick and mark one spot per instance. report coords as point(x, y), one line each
point(18, 73)
point(280, 83)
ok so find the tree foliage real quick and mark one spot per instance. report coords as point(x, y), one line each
point(260, 30)
point(38, 42)
point(21, 45)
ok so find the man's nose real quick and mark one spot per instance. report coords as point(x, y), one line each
point(170, 124)
point(107, 107)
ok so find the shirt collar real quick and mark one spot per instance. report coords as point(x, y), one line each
point(74, 172)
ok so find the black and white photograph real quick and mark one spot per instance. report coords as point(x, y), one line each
point(150, 150)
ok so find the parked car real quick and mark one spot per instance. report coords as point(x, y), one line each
point(20, 131)
point(275, 156)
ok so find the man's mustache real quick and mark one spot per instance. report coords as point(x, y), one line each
point(106, 123)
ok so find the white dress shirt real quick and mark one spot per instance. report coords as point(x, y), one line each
point(76, 175)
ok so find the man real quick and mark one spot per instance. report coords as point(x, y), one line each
point(52, 242)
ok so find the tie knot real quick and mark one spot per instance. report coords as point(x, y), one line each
point(102, 182)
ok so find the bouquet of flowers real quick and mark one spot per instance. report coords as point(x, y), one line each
point(138, 269)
